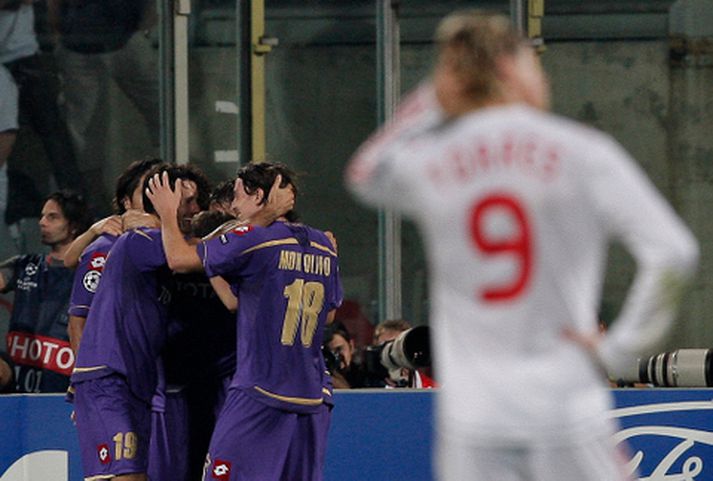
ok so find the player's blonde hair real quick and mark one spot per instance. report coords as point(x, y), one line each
point(473, 40)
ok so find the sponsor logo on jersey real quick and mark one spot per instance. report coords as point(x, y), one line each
point(221, 470)
point(40, 351)
point(97, 262)
point(91, 280)
point(103, 453)
point(242, 229)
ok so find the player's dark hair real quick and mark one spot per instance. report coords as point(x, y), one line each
point(75, 210)
point(129, 180)
point(223, 193)
point(262, 175)
point(184, 172)
point(207, 221)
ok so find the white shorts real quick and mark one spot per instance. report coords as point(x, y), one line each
point(8, 101)
point(591, 460)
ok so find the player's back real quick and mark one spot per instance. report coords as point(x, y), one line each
point(516, 207)
point(287, 283)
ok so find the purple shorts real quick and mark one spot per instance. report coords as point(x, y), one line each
point(113, 427)
point(168, 449)
point(256, 442)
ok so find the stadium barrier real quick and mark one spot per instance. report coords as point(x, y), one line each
point(386, 435)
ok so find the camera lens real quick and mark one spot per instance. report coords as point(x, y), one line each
point(680, 368)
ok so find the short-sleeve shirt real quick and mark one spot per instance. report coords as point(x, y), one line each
point(37, 338)
point(286, 277)
point(126, 327)
point(88, 274)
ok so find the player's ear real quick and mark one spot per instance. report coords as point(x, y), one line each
point(260, 195)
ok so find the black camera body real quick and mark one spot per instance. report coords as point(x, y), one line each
point(332, 360)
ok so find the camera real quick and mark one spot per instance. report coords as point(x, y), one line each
point(410, 350)
point(680, 368)
point(332, 360)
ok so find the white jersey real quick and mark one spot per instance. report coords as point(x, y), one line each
point(517, 207)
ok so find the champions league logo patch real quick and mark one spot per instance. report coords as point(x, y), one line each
point(30, 269)
point(103, 453)
point(221, 470)
point(91, 281)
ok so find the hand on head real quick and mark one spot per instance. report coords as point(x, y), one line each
point(280, 200)
point(165, 199)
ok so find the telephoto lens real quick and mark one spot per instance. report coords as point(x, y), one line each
point(411, 350)
point(680, 368)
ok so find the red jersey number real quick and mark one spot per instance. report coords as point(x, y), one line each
point(517, 244)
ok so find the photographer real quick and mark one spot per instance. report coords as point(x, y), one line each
point(400, 377)
point(339, 356)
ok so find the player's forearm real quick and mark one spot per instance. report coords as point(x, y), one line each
point(650, 308)
point(222, 289)
point(75, 328)
point(410, 116)
point(7, 268)
point(71, 257)
point(180, 255)
point(264, 217)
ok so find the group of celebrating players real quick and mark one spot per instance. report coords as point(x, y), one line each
point(151, 319)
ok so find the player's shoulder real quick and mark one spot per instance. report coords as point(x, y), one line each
point(101, 244)
point(143, 234)
point(571, 130)
point(520, 117)
point(23, 260)
point(317, 239)
point(242, 236)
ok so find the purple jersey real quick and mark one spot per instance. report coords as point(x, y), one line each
point(286, 277)
point(126, 327)
point(88, 274)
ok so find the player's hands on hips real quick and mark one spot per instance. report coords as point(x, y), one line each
point(164, 199)
point(588, 341)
